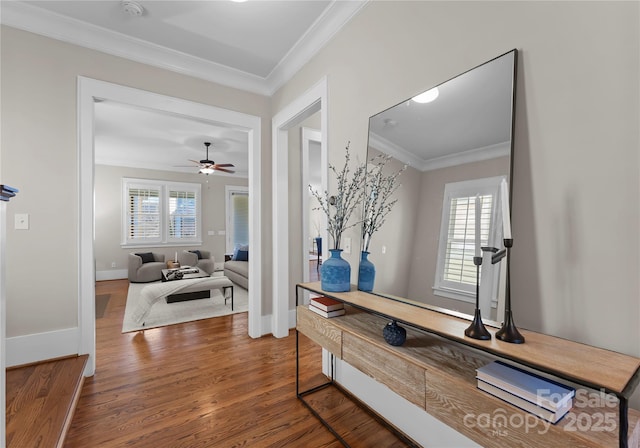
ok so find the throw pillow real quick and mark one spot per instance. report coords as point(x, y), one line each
point(238, 248)
point(147, 257)
point(197, 252)
point(243, 255)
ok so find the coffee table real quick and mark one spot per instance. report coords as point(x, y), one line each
point(187, 273)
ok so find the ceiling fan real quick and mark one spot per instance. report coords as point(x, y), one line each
point(209, 166)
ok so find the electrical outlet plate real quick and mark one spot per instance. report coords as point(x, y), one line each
point(347, 245)
point(21, 221)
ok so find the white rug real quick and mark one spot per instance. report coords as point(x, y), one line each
point(163, 313)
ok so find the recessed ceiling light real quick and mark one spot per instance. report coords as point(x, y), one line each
point(238, 1)
point(131, 8)
point(427, 97)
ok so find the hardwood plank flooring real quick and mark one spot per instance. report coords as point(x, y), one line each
point(40, 400)
point(207, 384)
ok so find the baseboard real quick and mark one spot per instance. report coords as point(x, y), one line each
point(42, 346)
point(112, 274)
point(267, 321)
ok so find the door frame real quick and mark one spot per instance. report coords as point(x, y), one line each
point(307, 104)
point(92, 90)
point(308, 135)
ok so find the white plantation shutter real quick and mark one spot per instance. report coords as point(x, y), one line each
point(160, 213)
point(143, 214)
point(455, 271)
point(460, 246)
point(183, 214)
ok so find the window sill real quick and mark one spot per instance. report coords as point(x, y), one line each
point(455, 294)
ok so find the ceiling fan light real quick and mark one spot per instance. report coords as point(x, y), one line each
point(206, 170)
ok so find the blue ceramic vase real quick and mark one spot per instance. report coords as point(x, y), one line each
point(366, 273)
point(335, 273)
point(394, 334)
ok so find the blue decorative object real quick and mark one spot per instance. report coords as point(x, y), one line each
point(335, 273)
point(394, 334)
point(366, 273)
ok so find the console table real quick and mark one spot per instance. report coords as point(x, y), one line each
point(435, 370)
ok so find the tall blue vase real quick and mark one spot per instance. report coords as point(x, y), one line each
point(335, 273)
point(366, 273)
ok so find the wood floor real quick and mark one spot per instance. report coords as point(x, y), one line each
point(207, 384)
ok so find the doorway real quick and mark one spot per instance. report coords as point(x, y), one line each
point(90, 91)
point(309, 103)
point(312, 246)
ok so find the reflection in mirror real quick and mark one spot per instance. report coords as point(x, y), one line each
point(457, 145)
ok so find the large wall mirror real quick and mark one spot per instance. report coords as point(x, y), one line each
point(457, 145)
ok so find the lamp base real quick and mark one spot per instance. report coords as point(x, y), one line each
point(509, 332)
point(477, 329)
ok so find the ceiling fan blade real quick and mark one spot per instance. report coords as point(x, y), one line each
point(194, 161)
point(227, 165)
point(217, 168)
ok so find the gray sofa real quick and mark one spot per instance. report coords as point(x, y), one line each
point(151, 271)
point(237, 272)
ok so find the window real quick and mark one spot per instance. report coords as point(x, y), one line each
point(160, 213)
point(237, 208)
point(456, 273)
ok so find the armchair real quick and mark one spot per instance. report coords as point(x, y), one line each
point(199, 258)
point(145, 267)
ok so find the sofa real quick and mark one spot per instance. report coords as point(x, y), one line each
point(145, 267)
point(237, 269)
point(237, 272)
point(198, 258)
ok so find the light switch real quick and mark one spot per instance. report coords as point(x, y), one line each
point(347, 245)
point(221, 232)
point(22, 221)
point(211, 232)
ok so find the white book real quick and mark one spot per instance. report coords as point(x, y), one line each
point(550, 416)
point(323, 313)
point(526, 385)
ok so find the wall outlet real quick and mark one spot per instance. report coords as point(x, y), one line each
point(113, 264)
point(384, 250)
point(347, 245)
point(21, 221)
point(211, 232)
point(221, 232)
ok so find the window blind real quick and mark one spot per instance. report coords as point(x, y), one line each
point(143, 214)
point(183, 214)
point(460, 249)
point(240, 218)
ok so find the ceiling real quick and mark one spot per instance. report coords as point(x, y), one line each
point(257, 46)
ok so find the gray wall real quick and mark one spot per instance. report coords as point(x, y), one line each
point(39, 118)
point(576, 198)
point(108, 213)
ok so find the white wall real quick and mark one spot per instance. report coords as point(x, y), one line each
point(576, 199)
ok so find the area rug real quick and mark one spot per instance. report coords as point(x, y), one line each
point(163, 313)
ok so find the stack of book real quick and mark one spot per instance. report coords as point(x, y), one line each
point(532, 393)
point(326, 307)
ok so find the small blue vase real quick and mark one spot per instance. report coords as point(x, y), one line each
point(335, 273)
point(366, 273)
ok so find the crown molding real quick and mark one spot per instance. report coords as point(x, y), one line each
point(336, 16)
point(474, 155)
point(26, 17)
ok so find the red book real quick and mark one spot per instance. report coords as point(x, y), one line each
point(326, 304)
